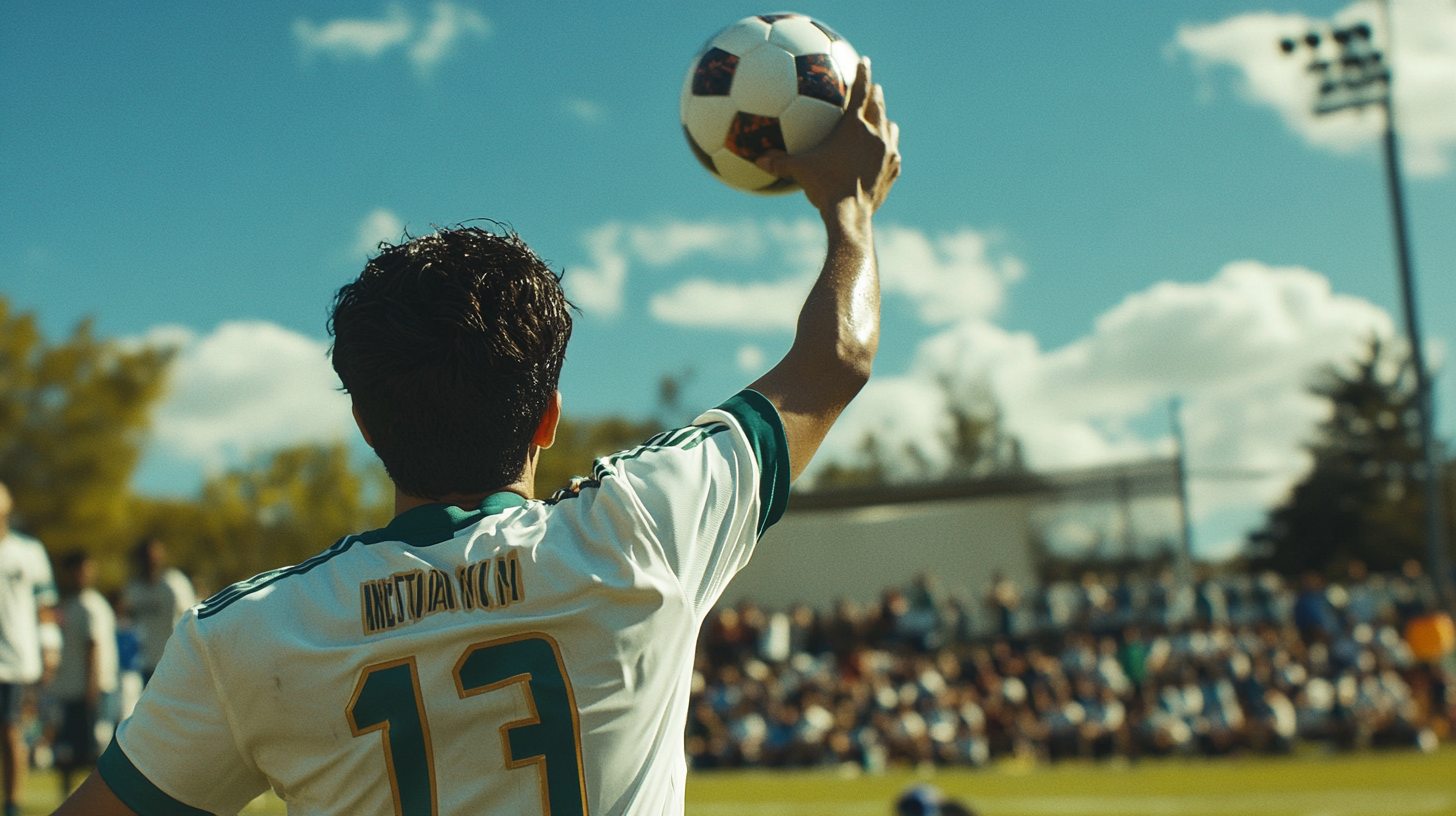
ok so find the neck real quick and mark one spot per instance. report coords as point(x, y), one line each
point(465, 501)
point(525, 487)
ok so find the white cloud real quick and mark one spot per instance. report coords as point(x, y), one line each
point(379, 225)
point(1239, 349)
point(425, 44)
point(345, 38)
point(448, 25)
point(753, 307)
point(951, 277)
point(598, 288)
point(613, 247)
point(245, 387)
point(1423, 65)
point(584, 109)
point(750, 359)
point(672, 241)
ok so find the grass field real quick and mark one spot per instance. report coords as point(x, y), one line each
point(1396, 783)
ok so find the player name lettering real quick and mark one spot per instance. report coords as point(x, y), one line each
point(413, 595)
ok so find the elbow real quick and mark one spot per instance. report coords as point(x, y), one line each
point(854, 360)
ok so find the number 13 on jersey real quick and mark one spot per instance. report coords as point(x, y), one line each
point(388, 700)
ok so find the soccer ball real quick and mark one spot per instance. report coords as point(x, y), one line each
point(775, 81)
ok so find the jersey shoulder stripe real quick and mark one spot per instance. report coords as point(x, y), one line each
point(682, 438)
point(765, 431)
point(226, 597)
point(422, 526)
point(760, 423)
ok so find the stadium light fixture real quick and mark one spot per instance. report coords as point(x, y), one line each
point(1351, 72)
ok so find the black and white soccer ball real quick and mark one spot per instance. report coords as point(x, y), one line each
point(775, 81)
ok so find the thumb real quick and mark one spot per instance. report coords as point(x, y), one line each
point(776, 162)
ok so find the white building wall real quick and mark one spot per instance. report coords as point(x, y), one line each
point(818, 556)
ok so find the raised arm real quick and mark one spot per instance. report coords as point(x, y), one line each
point(846, 179)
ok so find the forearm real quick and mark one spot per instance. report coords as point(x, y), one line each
point(838, 331)
point(836, 339)
point(846, 179)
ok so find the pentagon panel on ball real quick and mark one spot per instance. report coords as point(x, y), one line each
point(771, 82)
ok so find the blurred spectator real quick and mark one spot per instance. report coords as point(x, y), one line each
point(1248, 668)
point(1003, 601)
point(87, 671)
point(30, 642)
point(1313, 612)
point(156, 597)
point(128, 661)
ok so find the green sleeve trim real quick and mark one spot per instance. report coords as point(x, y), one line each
point(135, 790)
point(760, 420)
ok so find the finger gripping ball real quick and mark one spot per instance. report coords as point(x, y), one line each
point(771, 82)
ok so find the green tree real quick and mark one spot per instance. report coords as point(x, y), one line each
point(276, 511)
point(976, 442)
point(580, 441)
point(1363, 498)
point(73, 419)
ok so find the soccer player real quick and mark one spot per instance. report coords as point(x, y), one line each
point(29, 642)
point(487, 652)
point(155, 599)
point(88, 668)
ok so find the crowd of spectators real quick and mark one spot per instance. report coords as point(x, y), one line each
point(1103, 667)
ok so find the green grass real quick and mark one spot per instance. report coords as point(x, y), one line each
point(1393, 783)
point(1386, 783)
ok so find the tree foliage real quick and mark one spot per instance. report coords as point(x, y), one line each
point(1364, 498)
point(275, 511)
point(73, 419)
point(579, 442)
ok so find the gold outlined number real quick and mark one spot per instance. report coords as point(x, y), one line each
point(387, 699)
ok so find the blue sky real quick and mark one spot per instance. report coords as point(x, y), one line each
point(1104, 204)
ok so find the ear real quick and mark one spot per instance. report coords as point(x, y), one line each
point(358, 420)
point(546, 432)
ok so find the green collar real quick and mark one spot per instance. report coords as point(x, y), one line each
point(432, 523)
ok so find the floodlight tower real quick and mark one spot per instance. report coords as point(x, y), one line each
point(1352, 73)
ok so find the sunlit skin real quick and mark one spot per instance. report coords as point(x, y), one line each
point(846, 179)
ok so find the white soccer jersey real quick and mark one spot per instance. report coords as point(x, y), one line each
point(527, 657)
point(155, 608)
point(26, 584)
point(86, 618)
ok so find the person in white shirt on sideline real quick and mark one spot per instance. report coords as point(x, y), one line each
point(29, 642)
point(155, 598)
point(88, 667)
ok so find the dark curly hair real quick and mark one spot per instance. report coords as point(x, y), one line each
point(451, 345)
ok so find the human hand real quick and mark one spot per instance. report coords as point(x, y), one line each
point(856, 164)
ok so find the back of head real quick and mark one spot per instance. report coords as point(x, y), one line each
point(148, 557)
point(451, 346)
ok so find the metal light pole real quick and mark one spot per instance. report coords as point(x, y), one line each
point(1184, 559)
point(1353, 74)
